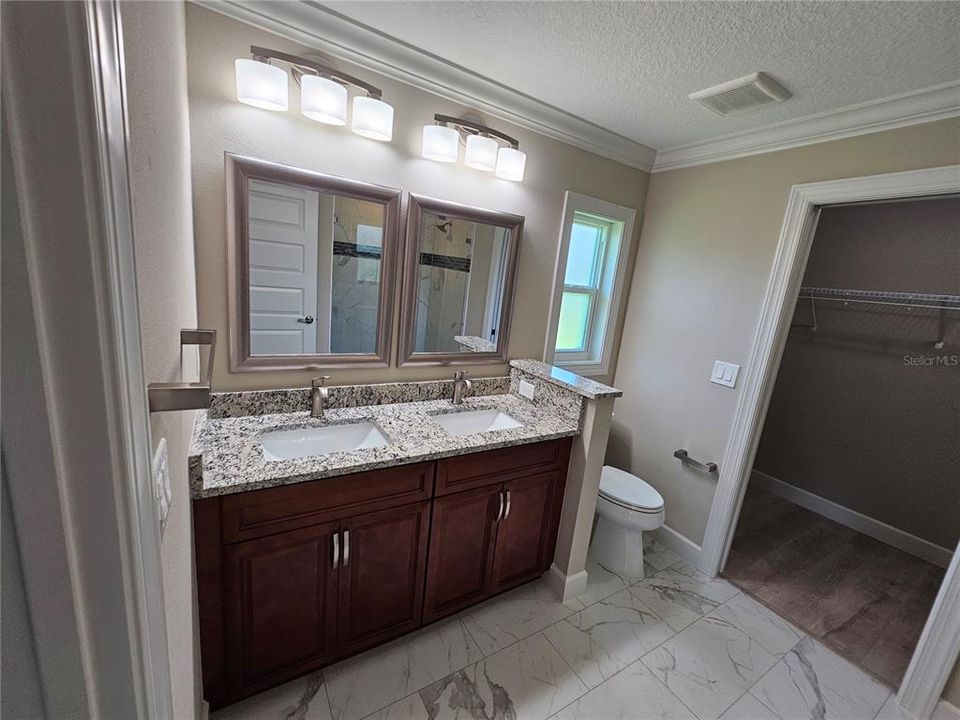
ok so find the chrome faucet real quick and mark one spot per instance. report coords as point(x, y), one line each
point(460, 384)
point(319, 394)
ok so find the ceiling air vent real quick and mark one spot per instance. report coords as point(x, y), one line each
point(747, 93)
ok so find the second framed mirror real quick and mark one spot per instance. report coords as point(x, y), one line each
point(460, 266)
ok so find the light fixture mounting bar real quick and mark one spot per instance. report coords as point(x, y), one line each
point(475, 127)
point(262, 53)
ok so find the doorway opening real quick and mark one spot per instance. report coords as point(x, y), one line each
point(938, 646)
point(852, 510)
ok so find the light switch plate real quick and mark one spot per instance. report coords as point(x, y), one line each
point(724, 373)
point(527, 389)
point(161, 483)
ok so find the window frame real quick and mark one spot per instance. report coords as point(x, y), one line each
point(607, 296)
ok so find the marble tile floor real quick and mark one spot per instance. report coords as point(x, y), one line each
point(862, 598)
point(673, 646)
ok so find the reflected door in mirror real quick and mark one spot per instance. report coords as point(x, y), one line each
point(315, 271)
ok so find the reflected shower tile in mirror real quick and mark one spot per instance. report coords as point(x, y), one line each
point(461, 264)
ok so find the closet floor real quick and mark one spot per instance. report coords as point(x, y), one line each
point(865, 600)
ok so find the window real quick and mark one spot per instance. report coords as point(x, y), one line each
point(591, 268)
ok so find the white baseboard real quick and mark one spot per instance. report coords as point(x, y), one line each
point(566, 586)
point(204, 711)
point(680, 544)
point(946, 711)
point(900, 539)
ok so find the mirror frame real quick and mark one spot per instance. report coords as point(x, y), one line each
point(240, 171)
point(419, 204)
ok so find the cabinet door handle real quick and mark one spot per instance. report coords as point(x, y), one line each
point(336, 550)
point(506, 513)
point(346, 548)
point(500, 509)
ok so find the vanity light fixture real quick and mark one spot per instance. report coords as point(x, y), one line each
point(261, 85)
point(481, 153)
point(484, 150)
point(323, 92)
point(440, 143)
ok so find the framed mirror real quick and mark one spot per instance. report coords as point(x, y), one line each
point(311, 264)
point(460, 265)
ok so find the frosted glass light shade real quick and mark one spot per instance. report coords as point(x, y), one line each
point(481, 153)
point(510, 164)
point(372, 118)
point(323, 100)
point(261, 85)
point(440, 143)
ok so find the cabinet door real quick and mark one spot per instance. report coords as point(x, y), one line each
point(461, 550)
point(280, 599)
point(523, 531)
point(381, 575)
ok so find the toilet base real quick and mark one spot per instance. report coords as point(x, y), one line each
point(618, 549)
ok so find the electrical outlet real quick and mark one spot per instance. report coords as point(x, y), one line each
point(527, 389)
point(161, 483)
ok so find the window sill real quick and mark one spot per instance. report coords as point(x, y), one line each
point(587, 368)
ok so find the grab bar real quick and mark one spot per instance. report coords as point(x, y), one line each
point(684, 457)
point(186, 396)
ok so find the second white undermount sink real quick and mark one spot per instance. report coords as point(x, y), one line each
point(476, 421)
point(310, 441)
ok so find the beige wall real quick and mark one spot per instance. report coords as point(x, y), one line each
point(159, 153)
point(218, 124)
point(706, 249)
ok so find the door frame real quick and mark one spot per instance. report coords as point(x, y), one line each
point(939, 644)
point(105, 653)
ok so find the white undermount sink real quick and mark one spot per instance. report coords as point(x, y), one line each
point(476, 421)
point(309, 441)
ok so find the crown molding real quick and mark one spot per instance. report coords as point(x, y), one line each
point(938, 102)
point(338, 36)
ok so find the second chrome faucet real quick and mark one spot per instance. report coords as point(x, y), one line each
point(460, 385)
point(319, 394)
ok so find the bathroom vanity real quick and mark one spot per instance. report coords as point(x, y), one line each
point(294, 577)
point(303, 558)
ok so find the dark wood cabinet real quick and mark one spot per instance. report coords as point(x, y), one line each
point(292, 578)
point(522, 534)
point(501, 534)
point(462, 539)
point(280, 597)
point(384, 557)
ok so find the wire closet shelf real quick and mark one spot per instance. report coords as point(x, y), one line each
point(882, 297)
point(924, 301)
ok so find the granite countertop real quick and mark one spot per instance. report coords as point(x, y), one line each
point(578, 384)
point(226, 455)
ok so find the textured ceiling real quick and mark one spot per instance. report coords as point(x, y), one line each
point(628, 66)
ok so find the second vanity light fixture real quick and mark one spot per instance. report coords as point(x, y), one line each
point(323, 92)
point(441, 142)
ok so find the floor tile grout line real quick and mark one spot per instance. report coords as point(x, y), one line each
point(326, 693)
point(571, 613)
point(746, 690)
point(664, 686)
point(417, 690)
point(780, 659)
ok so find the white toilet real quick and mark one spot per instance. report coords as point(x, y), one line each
point(626, 506)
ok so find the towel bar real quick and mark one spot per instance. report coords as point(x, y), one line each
point(185, 396)
point(685, 458)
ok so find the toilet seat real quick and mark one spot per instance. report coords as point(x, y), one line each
point(629, 492)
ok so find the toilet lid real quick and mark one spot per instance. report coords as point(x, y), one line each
point(626, 489)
